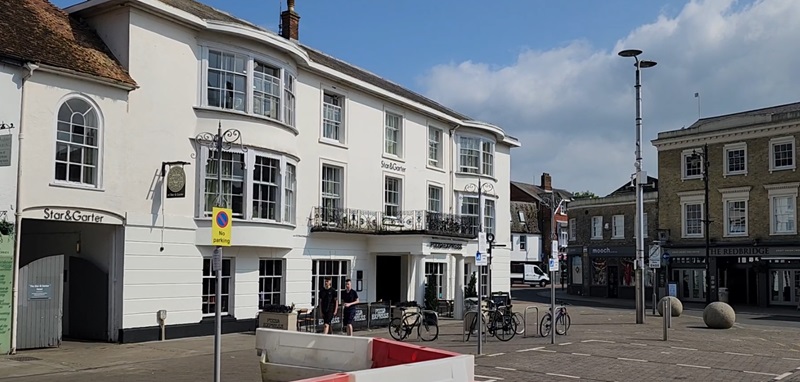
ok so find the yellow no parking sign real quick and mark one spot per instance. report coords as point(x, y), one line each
point(221, 227)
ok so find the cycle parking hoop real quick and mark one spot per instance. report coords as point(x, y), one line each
point(525, 319)
point(467, 325)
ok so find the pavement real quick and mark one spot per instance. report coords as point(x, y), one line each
point(602, 344)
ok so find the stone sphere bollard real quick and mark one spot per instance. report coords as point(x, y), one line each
point(677, 306)
point(719, 315)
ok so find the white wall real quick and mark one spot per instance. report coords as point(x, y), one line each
point(10, 91)
point(533, 250)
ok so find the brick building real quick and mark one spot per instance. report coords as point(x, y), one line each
point(754, 249)
point(602, 245)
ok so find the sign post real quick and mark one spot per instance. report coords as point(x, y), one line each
point(654, 263)
point(220, 237)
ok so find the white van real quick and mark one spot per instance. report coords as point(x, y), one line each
point(535, 275)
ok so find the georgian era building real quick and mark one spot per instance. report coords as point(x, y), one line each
point(329, 170)
point(754, 251)
point(602, 242)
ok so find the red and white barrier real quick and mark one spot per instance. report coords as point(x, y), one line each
point(292, 356)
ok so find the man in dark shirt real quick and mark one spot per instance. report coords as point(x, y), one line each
point(349, 298)
point(327, 305)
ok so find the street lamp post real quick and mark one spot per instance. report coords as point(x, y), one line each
point(218, 142)
point(480, 188)
point(703, 158)
point(553, 255)
point(641, 179)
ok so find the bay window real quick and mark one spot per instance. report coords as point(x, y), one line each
point(255, 185)
point(476, 155)
point(470, 212)
point(243, 83)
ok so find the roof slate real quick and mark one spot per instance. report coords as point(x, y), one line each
point(529, 211)
point(209, 13)
point(38, 31)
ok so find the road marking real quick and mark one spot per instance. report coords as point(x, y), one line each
point(760, 373)
point(495, 354)
point(505, 368)
point(583, 354)
point(546, 351)
point(732, 353)
point(792, 359)
point(531, 349)
point(565, 343)
point(563, 375)
point(782, 376)
point(680, 348)
point(631, 359)
point(697, 366)
point(492, 378)
point(603, 341)
point(635, 344)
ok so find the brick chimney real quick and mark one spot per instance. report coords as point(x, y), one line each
point(547, 182)
point(290, 22)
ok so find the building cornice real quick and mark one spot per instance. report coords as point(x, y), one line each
point(726, 136)
point(609, 201)
point(782, 186)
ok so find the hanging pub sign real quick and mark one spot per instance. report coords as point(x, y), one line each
point(176, 182)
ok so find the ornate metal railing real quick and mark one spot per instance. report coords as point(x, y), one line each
point(405, 222)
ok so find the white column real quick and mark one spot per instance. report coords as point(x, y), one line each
point(458, 308)
point(419, 261)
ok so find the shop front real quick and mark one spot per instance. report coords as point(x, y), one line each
point(605, 271)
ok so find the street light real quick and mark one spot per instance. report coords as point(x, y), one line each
point(641, 179)
point(703, 157)
point(480, 188)
point(553, 255)
point(219, 142)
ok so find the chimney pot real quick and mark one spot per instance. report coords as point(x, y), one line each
point(290, 23)
point(547, 182)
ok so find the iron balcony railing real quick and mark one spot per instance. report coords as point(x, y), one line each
point(351, 220)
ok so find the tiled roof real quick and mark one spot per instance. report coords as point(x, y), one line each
point(38, 31)
point(538, 192)
point(530, 224)
point(780, 109)
point(628, 188)
point(209, 13)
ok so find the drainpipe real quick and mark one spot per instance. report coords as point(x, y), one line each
point(453, 158)
point(30, 67)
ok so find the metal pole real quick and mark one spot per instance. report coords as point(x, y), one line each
point(218, 292)
point(706, 220)
point(553, 208)
point(480, 296)
point(653, 287)
point(639, 201)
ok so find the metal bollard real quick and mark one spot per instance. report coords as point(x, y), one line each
point(669, 316)
point(667, 313)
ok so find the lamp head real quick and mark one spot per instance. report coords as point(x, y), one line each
point(647, 64)
point(630, 53)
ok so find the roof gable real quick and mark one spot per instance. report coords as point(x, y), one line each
point(38, 31)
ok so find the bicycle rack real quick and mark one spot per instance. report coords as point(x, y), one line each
point(525, 319)
point(465, 327)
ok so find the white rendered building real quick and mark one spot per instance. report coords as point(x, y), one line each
point(337, 172)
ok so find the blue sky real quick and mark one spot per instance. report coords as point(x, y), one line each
point(548, 73)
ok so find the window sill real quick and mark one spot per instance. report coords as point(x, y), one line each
point(735, 174)
point(692, 237)
point(596, 238)
point(434, 168)
point(735, 235)
point(792, 168)
point(238, 221)
point(618, 238)
point(76, 186)
point(685, 178)
point(393, 158)
point(782, 233)
point(333, 142)
point(250, 116)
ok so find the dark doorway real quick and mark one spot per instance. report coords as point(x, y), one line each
point(388, 278)
point(88, 301)
point(613, 282)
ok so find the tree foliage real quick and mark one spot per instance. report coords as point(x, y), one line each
point(584, 195)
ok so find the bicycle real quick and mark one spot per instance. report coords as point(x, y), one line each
point(501, 324)
point(401, 327)
point(562, 320)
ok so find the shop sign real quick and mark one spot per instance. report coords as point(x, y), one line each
point(438, 245)
point(391, 166)
point(72, 216)
point(612, 251)
point(735, 251)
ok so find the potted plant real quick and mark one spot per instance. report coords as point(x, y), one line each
point(6, 228)
point(276, 316)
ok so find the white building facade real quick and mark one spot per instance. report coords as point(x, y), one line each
point(336, 172)
point(11, 73)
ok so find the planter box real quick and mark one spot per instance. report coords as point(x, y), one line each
point(284, 321)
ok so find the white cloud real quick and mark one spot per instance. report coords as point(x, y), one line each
point(573, 107)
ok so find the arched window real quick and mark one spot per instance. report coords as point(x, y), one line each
point(77, 143)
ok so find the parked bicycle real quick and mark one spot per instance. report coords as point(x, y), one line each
point(426, 322)
point(501, 323)
point(562, 320)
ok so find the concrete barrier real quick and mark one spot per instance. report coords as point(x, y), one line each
point(328, 352)
point(460, 368)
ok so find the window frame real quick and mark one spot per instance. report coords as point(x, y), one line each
point(230, 279)
point(617, 232)
point(692, 198)
point(440, 190)
point(741, 146)
point(462, 196)
point(685, 155)
point(399, 203)
point(337, 279)
point(281, 281)
point(343, 100)
point(342, 167)
point(439, 160)
point(481, 165)
point(438, 269)
point(400, 134)
point(251, 57)
point(573, 230)
point(523, 242)
point(735, 195)
point(98, 178)
point(779, 141)
point(596, 223)
point(781, 190)
point(249, 156)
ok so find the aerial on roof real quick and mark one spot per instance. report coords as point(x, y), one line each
point(206, 12)
point(37, 31)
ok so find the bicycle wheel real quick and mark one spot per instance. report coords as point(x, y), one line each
point(562, 324)
point(519, 323)
point(544, 325)
point(428, 331)
point(397, 330)
point(506, 328)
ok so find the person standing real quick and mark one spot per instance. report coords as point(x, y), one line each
point(327, 304)
point(349, 299)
